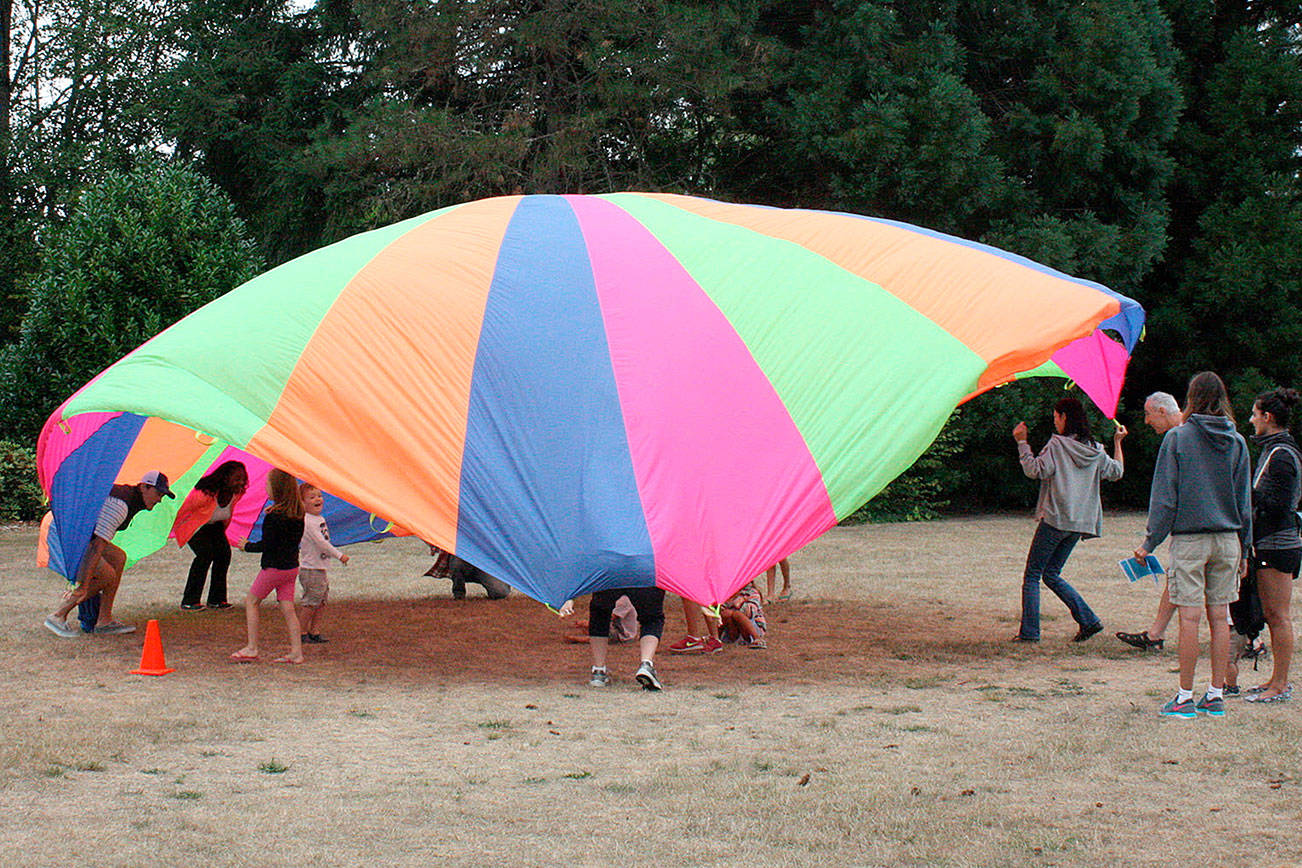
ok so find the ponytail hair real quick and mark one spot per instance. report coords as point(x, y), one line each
point(284, 494)
point(1279, 404)
point(1207, 397)
point(1075, 423)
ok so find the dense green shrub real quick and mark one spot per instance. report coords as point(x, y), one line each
point(20, 496)
point(141, 250)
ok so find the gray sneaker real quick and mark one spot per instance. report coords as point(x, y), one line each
point(113, 628)
point(646, 676)
point(600, 678)
point(59, 628)
point(1207, 705)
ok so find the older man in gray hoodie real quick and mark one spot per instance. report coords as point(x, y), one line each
point(1202, 498)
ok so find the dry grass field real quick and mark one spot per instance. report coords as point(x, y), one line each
point(890, 722)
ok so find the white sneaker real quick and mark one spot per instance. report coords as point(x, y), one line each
point(600, 678)
point(646, 676)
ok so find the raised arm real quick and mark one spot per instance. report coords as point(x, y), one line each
point(1035, 466)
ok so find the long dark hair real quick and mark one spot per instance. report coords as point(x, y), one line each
point(1207, 396)
point(1075, 424)
point(220, 483)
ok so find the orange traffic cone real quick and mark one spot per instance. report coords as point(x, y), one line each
point(151, 659)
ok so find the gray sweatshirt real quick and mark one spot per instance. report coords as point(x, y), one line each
point(1201, 483)
point(1069, 472)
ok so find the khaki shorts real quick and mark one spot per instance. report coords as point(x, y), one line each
point(315, 587)
point(1204, 569)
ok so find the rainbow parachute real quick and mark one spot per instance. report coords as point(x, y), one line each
point(581, 392)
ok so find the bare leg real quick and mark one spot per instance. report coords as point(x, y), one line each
point(711, 624)
point(699, 624)
point(1163, 617)
point(1276, 591)
point(75, 597)
point(110, 567)
point(770, 579)
point(647, 645)
point(740, 624)
point(250, 649)
point(1190, 616)
point(308, 617)
point(103, 579)
point(295, 654)
point(1218, 622)
point(600, 645)
point(786, 576)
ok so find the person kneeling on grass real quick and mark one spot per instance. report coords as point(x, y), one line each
point(650, 605)
point(743, 618)
point(314, 552)
point(101, 567)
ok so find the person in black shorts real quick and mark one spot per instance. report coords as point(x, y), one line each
point(650, 606)
point(1276, 543)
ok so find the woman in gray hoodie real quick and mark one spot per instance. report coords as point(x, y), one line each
point(1202, 498)
point(1070, 468)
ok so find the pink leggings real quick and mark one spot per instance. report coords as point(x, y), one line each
point(280, 581)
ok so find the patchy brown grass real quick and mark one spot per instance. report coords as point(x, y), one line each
point(889, 723)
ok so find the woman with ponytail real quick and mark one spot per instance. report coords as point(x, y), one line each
point(1276, 543)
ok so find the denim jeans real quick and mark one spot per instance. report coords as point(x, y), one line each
point(1050, 549)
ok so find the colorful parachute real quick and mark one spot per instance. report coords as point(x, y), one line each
point(579, 392)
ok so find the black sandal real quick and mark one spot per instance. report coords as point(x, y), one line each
point(1140, 640)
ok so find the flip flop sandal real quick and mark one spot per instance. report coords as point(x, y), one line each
point(237, 657)
point(1283, 696)
point(1140, 640)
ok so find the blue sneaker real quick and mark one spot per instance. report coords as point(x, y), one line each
point(1178, 708)
point(1214, 707)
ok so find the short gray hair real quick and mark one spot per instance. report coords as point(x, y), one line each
point(1163, 401)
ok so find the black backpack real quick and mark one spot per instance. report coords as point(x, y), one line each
point(1249, 620)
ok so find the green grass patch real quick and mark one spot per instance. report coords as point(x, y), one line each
point(271, 767)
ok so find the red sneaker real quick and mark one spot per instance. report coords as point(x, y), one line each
point(688, 645)
point(711, 645)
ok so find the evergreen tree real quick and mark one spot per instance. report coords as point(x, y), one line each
point(1230, 296)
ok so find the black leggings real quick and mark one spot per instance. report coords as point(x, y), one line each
point(649, 602)
point(210, 550)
